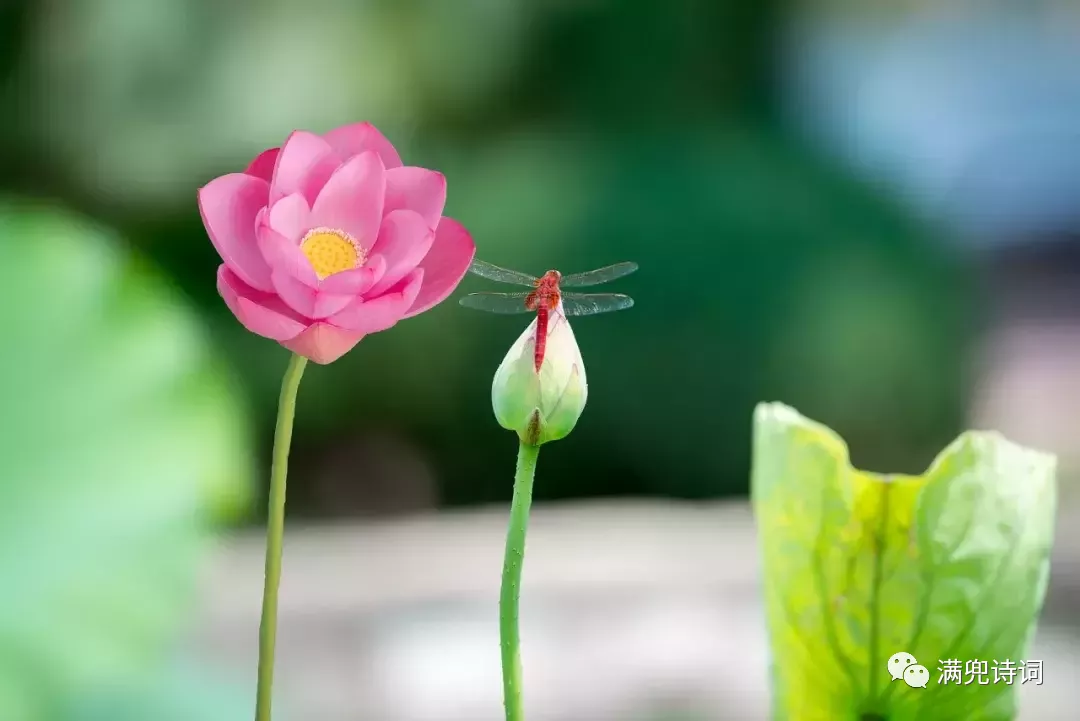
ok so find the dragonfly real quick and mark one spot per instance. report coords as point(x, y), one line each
point(546, 294)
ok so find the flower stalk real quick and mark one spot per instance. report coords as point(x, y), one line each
point(275, 532)
point(509, 595)
point(540, 405)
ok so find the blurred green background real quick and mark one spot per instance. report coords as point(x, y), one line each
point(573, 134)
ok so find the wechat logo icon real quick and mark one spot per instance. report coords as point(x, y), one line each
point(903, 665)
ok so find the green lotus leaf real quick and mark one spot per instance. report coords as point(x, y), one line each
point(120, 441)
point(949, 566)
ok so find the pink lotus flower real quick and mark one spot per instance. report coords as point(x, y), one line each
point(328, 239)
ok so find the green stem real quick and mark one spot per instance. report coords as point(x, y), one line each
point(511, 581)
point(275, 532)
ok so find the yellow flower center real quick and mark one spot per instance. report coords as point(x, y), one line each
point(331, 251)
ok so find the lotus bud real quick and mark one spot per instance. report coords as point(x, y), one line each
point(541, 406)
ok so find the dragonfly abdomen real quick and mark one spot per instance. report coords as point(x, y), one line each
point(541, 337)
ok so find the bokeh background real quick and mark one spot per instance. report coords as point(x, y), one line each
point(867, 210)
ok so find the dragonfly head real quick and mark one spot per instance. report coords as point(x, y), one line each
point(549, 279)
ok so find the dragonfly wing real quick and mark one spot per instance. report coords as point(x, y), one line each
point(505, 303)
point(501, 275)
point(598, 276)
point(593, 303)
